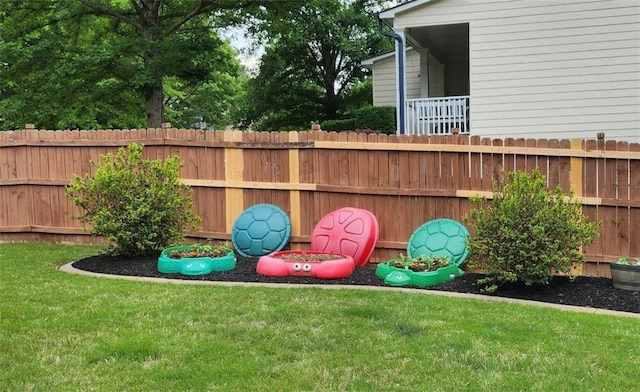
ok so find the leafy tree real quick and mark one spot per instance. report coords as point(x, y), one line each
point(279, 96)
point(49, 64)
point(312, 60)
point(108, 63)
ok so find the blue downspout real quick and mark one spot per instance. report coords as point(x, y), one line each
point(400, 57)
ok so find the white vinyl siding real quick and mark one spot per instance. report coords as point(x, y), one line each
point(436, 79)
point(412, 74)
point(384, 76)
point(547, 69)
point(384, 85)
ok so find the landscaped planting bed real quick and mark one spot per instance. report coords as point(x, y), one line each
point(583, 291)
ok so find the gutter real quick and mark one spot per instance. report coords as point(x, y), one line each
point(400, 75)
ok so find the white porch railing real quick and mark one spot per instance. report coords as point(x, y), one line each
point(437, 116)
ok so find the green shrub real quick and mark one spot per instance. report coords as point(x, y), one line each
point(377, 118)
point(138, 205)
point(339, 125)
point(292, 128)
point(526, 233)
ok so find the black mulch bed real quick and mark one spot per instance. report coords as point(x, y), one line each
point(584, 291)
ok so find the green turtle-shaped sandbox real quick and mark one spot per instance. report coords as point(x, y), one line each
point(442, 237)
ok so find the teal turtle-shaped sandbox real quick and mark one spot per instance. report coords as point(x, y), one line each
point(439, 237)
point(194, 265)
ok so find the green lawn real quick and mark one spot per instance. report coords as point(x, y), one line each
point(64, 332)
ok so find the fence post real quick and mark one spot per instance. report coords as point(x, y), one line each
point(576, 177)
point(294, 195)
point(233, 169)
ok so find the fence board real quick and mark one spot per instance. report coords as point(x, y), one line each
point(497, 162)
point(542, 162)
point(486, 169)
point(475, 181)
point(590, 167)
point(448, 167)
point(363, 168)
point(564, 168)
point(553, 165)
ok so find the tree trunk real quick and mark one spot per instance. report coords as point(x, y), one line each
point(331, 105)
point(155, 104)
point(153, 93)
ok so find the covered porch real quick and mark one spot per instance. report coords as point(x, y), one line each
point(433, 96)
point(437, 116)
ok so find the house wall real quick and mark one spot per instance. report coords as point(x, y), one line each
point(384, 85)
point(546, 69)
point(413, 74)
point(436, 78)
point(384, 76)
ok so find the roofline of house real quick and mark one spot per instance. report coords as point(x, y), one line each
point(389, 55)
point(388, 15)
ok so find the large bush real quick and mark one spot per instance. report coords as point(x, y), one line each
point(377, 118)
point(138, 205)
point(527, 233)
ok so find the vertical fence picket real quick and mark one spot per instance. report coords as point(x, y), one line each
point(624, 192)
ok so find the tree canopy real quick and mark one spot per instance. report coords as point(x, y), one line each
point(311, 62)
point(138, 63)
point(116, 63)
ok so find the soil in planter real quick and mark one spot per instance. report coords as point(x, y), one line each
point(420, 266)
point(196, 252)
point(308, 257)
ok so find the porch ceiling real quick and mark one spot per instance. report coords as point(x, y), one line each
point(446, 42)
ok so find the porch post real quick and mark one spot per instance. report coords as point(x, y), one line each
point(424, 72)
point(401, 84)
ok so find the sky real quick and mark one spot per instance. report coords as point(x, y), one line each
point(242, 44)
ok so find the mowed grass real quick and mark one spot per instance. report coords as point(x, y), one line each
point(64, 332)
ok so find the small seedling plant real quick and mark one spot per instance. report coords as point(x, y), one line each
point(309, 257)
point(196, 250)
point(624, 260)
point(422, 263)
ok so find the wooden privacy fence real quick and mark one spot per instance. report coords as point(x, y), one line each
point(404, 180)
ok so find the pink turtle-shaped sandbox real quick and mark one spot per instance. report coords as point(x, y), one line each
point(342, 240)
